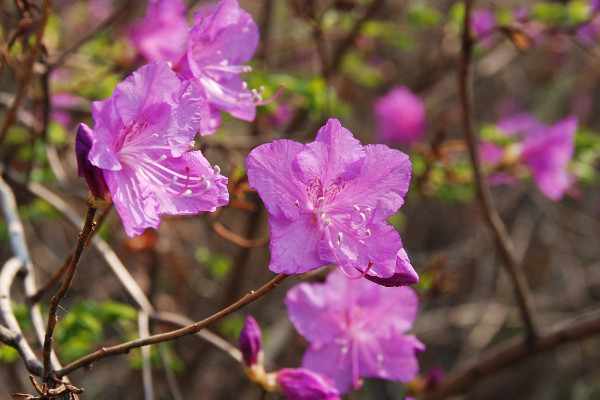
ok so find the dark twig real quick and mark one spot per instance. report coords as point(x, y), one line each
point(188, 330)
point(517, 350)
point(27, 71)
point(88, 228)
point(91, 35)
point(505, 245)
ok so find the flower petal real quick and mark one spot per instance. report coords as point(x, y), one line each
point(333, 360)
point(270, 173)
point(404, 274)
point(382, 184)
point(293, 245)
point(334, 154)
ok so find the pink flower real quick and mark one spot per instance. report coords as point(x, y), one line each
point(304, 384)
point(163, 33)
point(544, 150)
point(219, 43)
point(356, 329)
point(483, 24)
point(329, 201)
point(250, 343)
point(140, 141)
point(400, 117)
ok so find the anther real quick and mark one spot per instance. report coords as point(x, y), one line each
point(363, 217)
point(368, 232)
point(155, 135)
point(368, 209)
point(340, 237)
point(162, 158)
point(297, 203)
point(219, 52)
point(356, 208)
point(320, 199)
point(326, 222)
point(217, 169)
point(186, 193)
point(207, 186)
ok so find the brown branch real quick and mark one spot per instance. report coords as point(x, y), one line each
point(237, 239)
point(88, 228)
point(188, 330)
point(517, 350)
point(505, 245)
point(27, 71)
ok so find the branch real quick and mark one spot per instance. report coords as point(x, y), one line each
point(241, 241)
point(7, 276)
point(517, 350)
point(505, 245)
point(144, 330)
point(188, 330)
point(88, 228)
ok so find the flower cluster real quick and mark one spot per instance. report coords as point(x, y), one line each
point(139, 150)
point(529, 146)
point(329, 201)
point(356, 329)
point(211, 53)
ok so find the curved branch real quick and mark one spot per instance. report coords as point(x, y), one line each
point(188, 330)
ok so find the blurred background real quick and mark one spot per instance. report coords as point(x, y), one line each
point(336, 59)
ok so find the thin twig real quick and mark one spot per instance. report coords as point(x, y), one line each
point(144, 330)
point(87, 230)
point(7, 276)
point(180, 321)
point(91, 35)
point(515, 351)
point(241, 241)
point(505, 245)
point(27, 70)
point(188, 330)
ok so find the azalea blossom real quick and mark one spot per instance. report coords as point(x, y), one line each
point(329, 201)
point(400, 117)
point(542, 150)
point(163, 33)
point(250, 342)
point(141, 140)
point(356, 329)
point(220, 41)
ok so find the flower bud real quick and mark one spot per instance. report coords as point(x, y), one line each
point(92, 174)
point(304, 384)
point(250, 342)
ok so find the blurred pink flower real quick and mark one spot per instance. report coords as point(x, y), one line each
point(400, 117)
point(356, 329)
point(483, 25)
point(163, 33)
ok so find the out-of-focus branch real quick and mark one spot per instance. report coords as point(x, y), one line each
point(88, 228)
point(27, 70)
point(179, 321)
point(163, 337)
point(58, 60)
point(515, 351)
point(7, 276)
point(144, 330)
point(237, 239)
point(505, 245)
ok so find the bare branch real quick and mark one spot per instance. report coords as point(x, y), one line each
point(163, 337)
point(505, 244)
point(509, 354)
